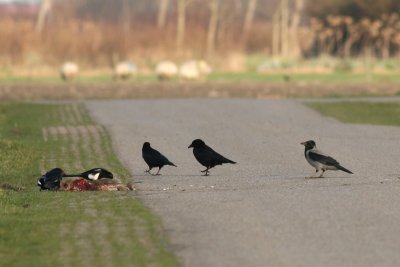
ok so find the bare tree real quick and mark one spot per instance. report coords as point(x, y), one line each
point(280, 35)
point(387, 33)
point(276, 33)
point(126, 16)
point(248, 20)
point(352, 36)
point(295, 49)
point(181, 21)
point(162, 13)
point(44, 11)
point(284, 28)
point(212, 26)
point(125, 24)
point(229, 13)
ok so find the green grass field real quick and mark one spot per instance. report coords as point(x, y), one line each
point(337, 77)
point(361, 112)
point(68, 228)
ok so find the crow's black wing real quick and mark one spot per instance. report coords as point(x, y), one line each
point(210, 158)
point(155, 158)
point(322, 158)
point(219, 159)
point(202, 156)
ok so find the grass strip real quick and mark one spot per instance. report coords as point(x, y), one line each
point(67, 228)
point(380, 113)
point(249, 76)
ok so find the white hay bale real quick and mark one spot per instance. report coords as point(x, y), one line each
point(166, 70)
point(69, 70)
point(194, 70)
point(124, 70)
point(189, 70)
point(204, 68)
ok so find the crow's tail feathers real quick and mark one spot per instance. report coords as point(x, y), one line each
point(343, 169)
point(170, 163)
point(230, 161)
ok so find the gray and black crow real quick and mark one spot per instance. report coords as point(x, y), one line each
point(207, 156)
point(319, 160)
point(153, 158)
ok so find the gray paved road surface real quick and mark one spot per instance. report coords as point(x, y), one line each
point(262, 212)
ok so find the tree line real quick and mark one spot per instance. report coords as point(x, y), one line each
point(183, 28)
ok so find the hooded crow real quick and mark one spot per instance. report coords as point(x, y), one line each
point(93, 174)
point(153, 158)
point(319, 160)
point(206, 156)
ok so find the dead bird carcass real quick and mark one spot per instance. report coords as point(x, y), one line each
point(97, 179)
point(81, 184)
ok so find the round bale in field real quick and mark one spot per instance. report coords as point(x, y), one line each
point(69, 70)
point(124, 70)
point(194, 70)
point(166, 70)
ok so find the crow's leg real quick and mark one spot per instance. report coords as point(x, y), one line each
point(158, 172)
point(313, 175)
point(206, 171)
point(322, 174)
point(148, 171)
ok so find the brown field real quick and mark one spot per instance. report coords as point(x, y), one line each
point(122, 90)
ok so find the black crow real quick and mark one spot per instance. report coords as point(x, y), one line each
point(207, 156)
point(93, 174)
point(319, 160)
point(153, 158)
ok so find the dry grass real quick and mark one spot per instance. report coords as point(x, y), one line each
point(100, 43)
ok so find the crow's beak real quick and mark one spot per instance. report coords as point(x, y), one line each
point(303, 143)
point(190, 146)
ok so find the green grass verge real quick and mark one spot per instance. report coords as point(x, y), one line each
point(338, 77)
point(67, 228)
point(387, 113)
point(311, 77)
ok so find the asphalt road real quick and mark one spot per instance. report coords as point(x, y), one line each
point(262, 211)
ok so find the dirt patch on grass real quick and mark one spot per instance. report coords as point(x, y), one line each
point(6, 186)
point(121, 90)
